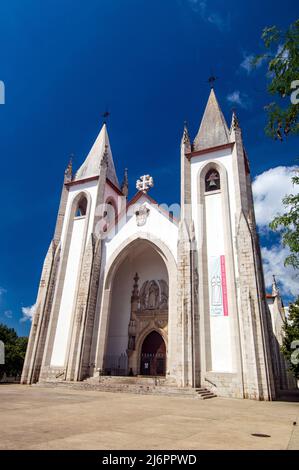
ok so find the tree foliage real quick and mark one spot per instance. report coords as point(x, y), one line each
point(291, 338)
point(287, 224)
point(15, 349)
point(282, 58)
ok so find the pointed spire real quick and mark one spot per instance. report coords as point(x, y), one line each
point(100, 149)
point(125, 184)
point(213, 129)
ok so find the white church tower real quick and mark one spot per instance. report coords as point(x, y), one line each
point(227, 305)
point(62, 327)
point(127, 290)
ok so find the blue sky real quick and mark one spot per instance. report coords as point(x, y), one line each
point(64, 62)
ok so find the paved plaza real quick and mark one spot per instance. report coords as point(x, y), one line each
point(35, 417)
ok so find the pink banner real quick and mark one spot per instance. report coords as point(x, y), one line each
point(224, 286)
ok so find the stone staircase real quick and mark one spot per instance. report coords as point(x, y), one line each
point(136, 385)
point(205, 393)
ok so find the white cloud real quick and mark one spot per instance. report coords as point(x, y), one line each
point(2, 291)
point(198, 5)
point(28, 313)
point(8, 313)
point(215, 18)
point(223, 24)
point(273, 263)
point(282, 54)
point(247, 64)
point(238, 98)
point(286, 311)
point(269, 188)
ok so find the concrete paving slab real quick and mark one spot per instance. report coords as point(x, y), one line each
point(52, 418)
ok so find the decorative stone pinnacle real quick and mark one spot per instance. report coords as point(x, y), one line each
point(69, 169)
point(192, 231)
point(125, 183)
point(235, 122)
point(275, 288)
point(144, 183)
point(135, 291)
point(186, 138)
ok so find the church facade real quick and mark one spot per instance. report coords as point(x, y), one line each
point(127, 289)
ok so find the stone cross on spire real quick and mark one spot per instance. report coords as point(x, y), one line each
point(144, 183)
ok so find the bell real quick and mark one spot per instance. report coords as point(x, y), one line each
point(212, 183)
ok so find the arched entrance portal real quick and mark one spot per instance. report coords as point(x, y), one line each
point(153, 355)
point(139, 304)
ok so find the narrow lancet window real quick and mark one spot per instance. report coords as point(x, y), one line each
point(81, 208)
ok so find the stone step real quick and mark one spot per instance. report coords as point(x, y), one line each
point(207, 397)
point(144, 385)
point(205, 393)
point(138, 380)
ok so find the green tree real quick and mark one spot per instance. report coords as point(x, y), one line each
point(282, 58)
point(15, 349)
point(291, 338)
point(287, 224)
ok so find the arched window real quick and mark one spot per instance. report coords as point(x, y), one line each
point(81, 207)
point(111, 211)
point(212, 180)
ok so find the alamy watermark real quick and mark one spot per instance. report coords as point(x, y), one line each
point(295, 353)
point(295, 93)
point(109, 222)
point(2, 353)
point(2, 92)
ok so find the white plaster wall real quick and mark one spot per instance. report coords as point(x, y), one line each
point(68, 294)
point(71, 274)
point(157, 226)
point(271, 309)
point(149, 265)
point(277, 319)
point(89, 187)
point(223, 156)
point(220, 326)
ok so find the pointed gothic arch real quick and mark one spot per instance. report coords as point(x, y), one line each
point(81, 207)
point(113, 265)
point(212, 180)
point(140, 345)
point(110, 213)
point(153, 354)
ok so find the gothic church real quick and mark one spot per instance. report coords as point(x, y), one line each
point(128, 290)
